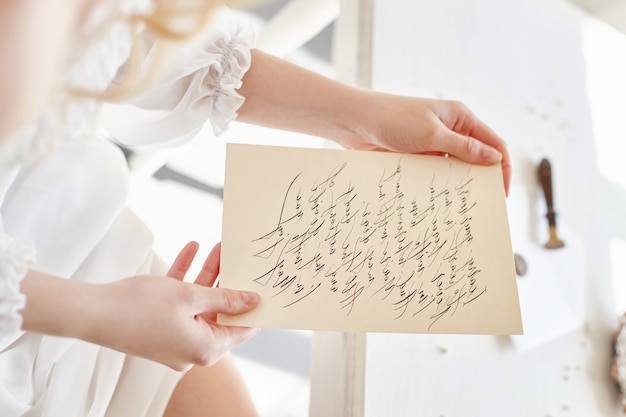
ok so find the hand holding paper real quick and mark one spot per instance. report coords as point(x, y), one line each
point(368, 241)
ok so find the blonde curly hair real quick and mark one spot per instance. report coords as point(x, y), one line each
point(170, 21)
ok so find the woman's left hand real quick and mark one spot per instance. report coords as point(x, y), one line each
point(426, 126)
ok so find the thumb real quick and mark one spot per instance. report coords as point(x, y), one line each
point(227, 301)
point(470, 149)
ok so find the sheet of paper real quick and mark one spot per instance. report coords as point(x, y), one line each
point(367, 241)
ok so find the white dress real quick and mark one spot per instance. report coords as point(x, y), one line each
point(68, 207)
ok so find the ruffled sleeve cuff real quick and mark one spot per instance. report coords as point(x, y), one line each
point(230, 59)
point(200, 86)
point(15, 259)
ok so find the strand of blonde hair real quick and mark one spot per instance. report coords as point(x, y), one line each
point(169, 24)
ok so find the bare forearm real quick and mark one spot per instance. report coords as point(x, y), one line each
point(284, 96)
point(288, 97)
point(155, 317)
point(56, 306)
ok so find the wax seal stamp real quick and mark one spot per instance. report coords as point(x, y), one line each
point(618, 365)
point(545, 179)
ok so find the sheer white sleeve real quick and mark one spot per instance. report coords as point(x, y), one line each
point(15, 258)
point(201, 85)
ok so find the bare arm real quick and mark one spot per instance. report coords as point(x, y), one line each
point(56, 306)
point(284, 96)
point(155, 317)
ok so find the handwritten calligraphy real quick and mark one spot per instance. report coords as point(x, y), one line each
point(409, 247)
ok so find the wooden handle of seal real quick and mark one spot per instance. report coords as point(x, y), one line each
point(545, 179)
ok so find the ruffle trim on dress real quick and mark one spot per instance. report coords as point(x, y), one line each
point(224, 77)
point(15, 259)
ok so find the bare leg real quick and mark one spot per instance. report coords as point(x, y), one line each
point(216, 391)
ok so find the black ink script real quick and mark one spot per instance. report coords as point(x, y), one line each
point(401, 244)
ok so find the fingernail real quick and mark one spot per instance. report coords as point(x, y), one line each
point(492, 156)
point(251, 298)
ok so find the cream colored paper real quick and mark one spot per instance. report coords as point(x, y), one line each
point(367, 241)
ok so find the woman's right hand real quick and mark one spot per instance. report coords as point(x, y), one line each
point(170, 321)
